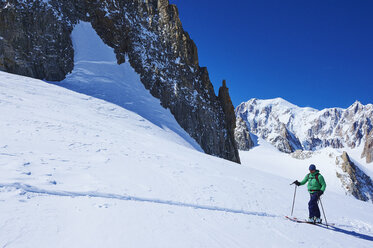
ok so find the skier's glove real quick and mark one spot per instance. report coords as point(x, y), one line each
point(320, 192)
point(297, 183)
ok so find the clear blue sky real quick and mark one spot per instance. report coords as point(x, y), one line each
point(316, 53)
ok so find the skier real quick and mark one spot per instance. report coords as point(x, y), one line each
point(316, 187)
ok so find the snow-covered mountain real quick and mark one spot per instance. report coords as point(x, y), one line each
point(290, 128)
point(78, 171)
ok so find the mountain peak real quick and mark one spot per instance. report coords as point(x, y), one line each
point(356, 107)
point(282, 101)
point(357, 103)
point(277, 102)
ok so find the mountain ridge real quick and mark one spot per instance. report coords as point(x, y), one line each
point(290, 128)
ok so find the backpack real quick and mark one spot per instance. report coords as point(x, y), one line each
point(316, 176)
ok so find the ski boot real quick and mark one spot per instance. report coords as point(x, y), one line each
point(311, 219)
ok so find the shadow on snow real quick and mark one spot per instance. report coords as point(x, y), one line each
point(347, 232)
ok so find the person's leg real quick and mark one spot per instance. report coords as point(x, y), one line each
point(313, 207)
point(310, 209)
point(317, 209)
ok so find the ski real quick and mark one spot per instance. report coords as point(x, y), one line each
point(294, 219)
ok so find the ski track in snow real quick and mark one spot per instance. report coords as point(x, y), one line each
point(32, 189)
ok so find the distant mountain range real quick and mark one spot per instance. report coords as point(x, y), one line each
point(290, 128)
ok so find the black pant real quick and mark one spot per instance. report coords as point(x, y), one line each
point(313, 207)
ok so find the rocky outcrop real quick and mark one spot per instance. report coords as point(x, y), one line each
point(149, 33)
point(33, 41)
point(368, 148)
point(354, 180)
point(230, 117)
point(286, 141)
point(302, 155)
point(242, 136)
point(290, 128)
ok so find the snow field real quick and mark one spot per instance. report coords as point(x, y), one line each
point(140, 183)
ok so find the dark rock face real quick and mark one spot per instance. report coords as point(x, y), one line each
point(149, 33)
point(33, 42)
point(354, 180)
point(230, 117)
point(368, 148)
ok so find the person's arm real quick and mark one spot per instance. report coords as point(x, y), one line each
point(322, 182)
point(304, 180)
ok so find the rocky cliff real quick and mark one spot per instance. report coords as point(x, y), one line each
point(291, 128)
point(230, 117)
point(354, 180)
point(35, 41)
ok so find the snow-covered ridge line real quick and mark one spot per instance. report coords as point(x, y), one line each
point(286, 103)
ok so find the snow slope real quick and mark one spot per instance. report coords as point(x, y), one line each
point(78, 171)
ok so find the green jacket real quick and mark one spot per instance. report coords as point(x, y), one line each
point(313, 185)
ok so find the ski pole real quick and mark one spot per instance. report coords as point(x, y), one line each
point(295, 192)
point(323, 212)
